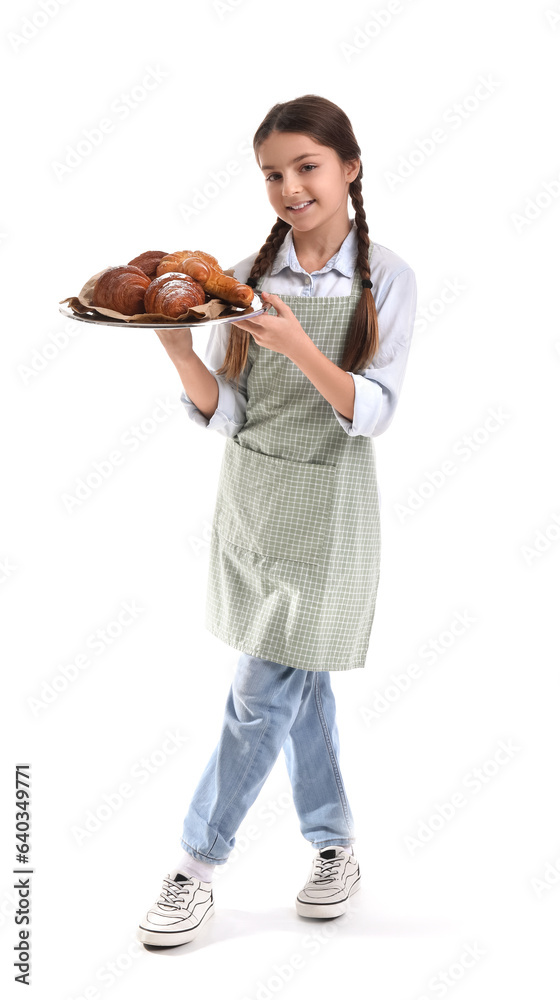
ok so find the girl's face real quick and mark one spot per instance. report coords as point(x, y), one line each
point(297, 169)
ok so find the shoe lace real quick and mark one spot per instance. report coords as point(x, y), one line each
point(172, 894)
point(324, 870)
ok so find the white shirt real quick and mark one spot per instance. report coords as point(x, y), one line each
point(377, 387)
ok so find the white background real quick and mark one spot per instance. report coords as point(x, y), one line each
point(479, 212)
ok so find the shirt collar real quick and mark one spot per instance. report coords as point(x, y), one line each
point(344, 260)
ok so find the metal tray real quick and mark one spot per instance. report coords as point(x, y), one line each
point(256, 309)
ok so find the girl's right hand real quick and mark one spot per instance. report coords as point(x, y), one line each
point(177, 342)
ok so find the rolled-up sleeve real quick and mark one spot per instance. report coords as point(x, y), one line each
point(377, 388)
point(230, 413)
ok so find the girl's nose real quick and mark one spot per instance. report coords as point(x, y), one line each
point(290, 189)
point(291, 197)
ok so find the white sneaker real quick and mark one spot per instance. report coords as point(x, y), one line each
point(182, 908)
point(334, 876)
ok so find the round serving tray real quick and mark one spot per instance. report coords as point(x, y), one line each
point(256, 309)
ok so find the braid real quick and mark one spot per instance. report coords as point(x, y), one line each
point(355, 192)
point(267, 253)
point(363, 338)
point(237, 350)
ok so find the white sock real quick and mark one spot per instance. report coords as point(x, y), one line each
point(196, 869)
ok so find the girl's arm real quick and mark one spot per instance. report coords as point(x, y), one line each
point(209, 400)
point(378, 388)
point(224, 410)
point(195, 377)
point(365, 402)
point(199, 384)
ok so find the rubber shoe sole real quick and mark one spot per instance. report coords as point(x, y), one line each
point(324, 911)
point(161, 939)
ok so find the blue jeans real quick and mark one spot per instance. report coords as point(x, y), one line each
point(270, 707)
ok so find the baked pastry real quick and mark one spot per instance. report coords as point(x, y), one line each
point(122, 289)
point(172, 294)
point(148, 261)
point(191, 277)
point(201, 267)
point(173, 261)
point(179, 255)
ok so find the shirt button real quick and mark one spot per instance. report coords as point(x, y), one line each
point(307, 280)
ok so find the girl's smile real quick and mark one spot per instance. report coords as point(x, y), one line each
point(302, 207)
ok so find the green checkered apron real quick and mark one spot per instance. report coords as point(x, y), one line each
point(295, 545)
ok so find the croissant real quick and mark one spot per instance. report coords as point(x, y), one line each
point(122, 289)
point(172, 259)
point(148, 261)
point(200, 266)
point(172, 294)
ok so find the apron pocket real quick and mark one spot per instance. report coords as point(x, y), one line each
point(274, 506)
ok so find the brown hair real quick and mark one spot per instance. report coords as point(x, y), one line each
point(329, 126)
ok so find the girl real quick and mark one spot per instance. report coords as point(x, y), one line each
point(299, 393)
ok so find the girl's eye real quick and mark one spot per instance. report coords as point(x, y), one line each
point(272, 177)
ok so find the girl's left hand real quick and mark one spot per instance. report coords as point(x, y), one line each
point(282, 333)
